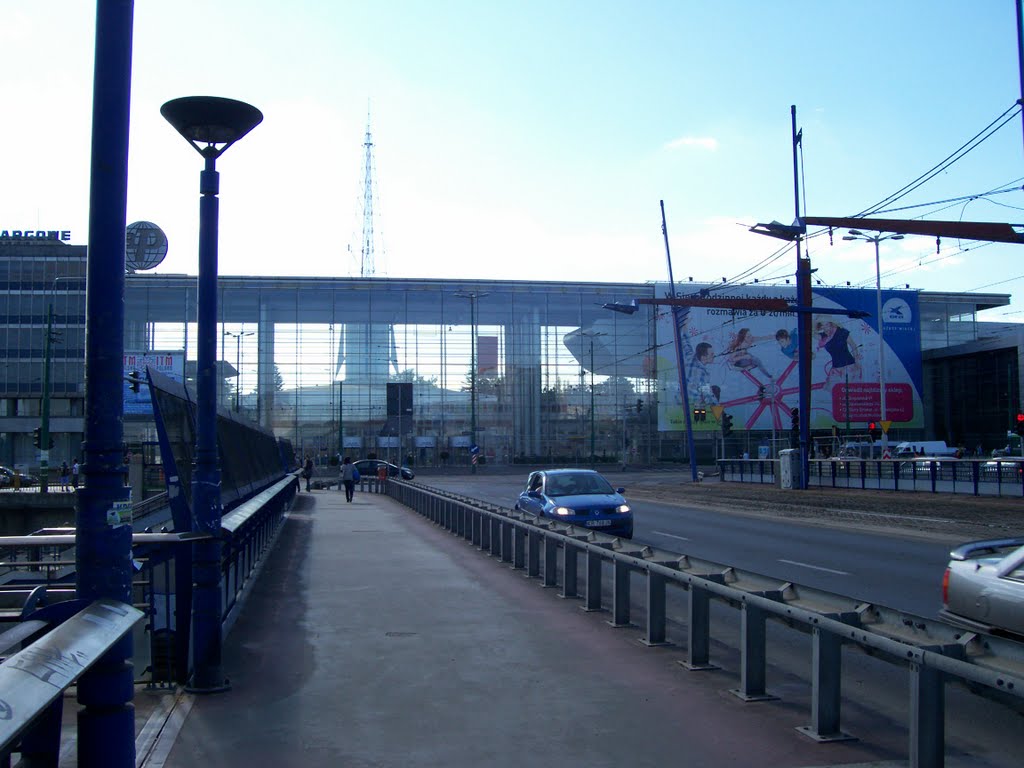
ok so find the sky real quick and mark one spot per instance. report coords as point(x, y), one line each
point(535, 140)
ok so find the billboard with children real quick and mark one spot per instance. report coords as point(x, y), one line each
point(744, 361)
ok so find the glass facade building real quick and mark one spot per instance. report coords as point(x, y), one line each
point(423, 371)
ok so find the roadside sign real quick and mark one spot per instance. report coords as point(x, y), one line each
point(885, 425)
point(717, 410)
point(474, 449)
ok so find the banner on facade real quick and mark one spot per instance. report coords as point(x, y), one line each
point(170, 364)
point(745, 361)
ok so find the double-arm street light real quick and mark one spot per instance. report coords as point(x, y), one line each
point(473, 296)
point(211, 125)
point(238, 361)
point(856, 234)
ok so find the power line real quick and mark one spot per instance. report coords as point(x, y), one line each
point(955, 156)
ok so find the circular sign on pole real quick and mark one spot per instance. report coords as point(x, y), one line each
point(145, 246)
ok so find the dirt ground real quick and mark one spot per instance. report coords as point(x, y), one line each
point(946, 516)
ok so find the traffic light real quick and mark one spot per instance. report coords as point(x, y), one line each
point(134, 382)
point(639, 405)
point(726, 424)
point(795, 416)
point(37, 437)
point(1020, 424)
point(794, 432)
point(875, 431)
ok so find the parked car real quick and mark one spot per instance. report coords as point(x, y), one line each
point(983, 587)
point(25, 480)
point(369, 467)
point(580, 497)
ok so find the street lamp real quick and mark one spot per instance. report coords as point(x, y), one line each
point(472, 296)
point(856, 234)
point(211, 125)
point(591, 335)
point(238, 361)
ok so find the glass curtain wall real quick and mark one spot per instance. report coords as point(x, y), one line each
point(423, 372)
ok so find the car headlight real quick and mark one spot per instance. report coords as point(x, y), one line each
point(563, 511)
point(623, 508)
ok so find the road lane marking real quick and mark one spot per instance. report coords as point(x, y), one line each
point(670, 535)
point(814, 567)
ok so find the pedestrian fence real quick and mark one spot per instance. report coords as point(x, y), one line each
point(996, 477)
point(933, 652)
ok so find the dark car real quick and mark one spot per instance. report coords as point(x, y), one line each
point(983, 587)
point(580, 497)
point(369, 467)
point(24, 480)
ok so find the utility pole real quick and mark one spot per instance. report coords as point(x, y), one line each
point(803, 299)
point(44, 425)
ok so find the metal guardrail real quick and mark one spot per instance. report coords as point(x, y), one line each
point(995, 477)
point(34, 679)
point(931, 650)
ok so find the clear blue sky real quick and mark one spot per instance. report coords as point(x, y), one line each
point(535, 139)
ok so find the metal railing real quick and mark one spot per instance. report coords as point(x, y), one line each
point(995, 477)
point(64, 641)
point(932, 651)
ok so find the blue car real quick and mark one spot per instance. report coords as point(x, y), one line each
point(580, 497)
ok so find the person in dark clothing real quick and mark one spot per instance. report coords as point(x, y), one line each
point(348, 478)
point(307, 470)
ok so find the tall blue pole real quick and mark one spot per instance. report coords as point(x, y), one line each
point(106, 722)
point(206, 502)
point(680, 361)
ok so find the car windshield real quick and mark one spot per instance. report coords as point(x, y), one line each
point(576, 484)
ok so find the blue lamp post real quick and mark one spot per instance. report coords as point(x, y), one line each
point(211, 125)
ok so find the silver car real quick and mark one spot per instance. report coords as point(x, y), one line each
point(983, 587)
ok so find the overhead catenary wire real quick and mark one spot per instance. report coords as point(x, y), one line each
point(950, 159)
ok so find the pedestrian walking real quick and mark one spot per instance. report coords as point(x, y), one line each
point(349, 476)
point(307, 470)
point(64, 476)
point(75, 467)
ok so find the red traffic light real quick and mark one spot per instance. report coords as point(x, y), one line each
point(872, 426)
point(1020, 418)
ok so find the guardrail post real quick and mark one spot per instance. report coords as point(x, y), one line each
point(519, 551)
point(620, 595)
point(753, 637)
point(476, 520)
point(593, 581)
point(655, 610)
point(495, 535)
point(483, 531)
point(569, 571)
point(550, 562)
point(826, 680)
point(506, 541)
point(698, 621)
point(533, 556)
point(927, 717)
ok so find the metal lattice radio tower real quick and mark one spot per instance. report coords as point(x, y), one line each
point(366, 265)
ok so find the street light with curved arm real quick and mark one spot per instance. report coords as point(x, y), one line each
point(856, 234)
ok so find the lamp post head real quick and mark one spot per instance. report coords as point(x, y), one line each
point(212, 121)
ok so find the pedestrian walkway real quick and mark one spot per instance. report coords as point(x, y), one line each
point(373, 638)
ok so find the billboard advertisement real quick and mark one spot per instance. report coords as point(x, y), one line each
point(744, 361)
point(171, 364)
